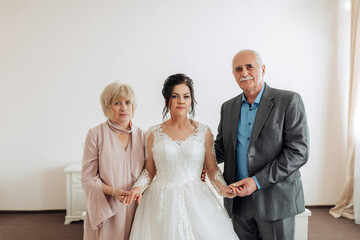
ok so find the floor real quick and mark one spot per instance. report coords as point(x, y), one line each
point(323, 226)
point(50, 226)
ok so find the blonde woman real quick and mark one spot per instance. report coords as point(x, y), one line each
point(113, 159)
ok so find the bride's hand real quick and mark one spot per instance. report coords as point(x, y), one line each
point(228, 192)
point(134, 194)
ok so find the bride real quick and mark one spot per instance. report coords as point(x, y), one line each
point(177, 205)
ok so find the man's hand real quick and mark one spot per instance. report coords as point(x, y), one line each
point(244, 187)
point(228, 192)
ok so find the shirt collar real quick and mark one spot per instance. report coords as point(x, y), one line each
point(258, 97)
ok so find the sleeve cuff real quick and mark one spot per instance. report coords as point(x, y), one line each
point(257, 182)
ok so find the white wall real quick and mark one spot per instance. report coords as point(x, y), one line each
point(57, 56)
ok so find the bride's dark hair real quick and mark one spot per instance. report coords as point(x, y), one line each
point(168, 87)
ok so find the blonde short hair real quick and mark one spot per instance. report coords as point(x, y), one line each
point(115, 91)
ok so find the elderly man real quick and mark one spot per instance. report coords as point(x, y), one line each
point(263, 140)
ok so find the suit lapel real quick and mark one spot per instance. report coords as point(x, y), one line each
point(263, 112)
point(236, 116)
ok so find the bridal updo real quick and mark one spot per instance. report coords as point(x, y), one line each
point(168, 87)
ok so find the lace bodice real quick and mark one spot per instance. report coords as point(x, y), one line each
point(178, 161)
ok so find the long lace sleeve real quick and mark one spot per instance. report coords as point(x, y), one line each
point(149, 171)
point(143, 180)
point(212, 170)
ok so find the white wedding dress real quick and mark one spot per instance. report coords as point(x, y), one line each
point(177, 205)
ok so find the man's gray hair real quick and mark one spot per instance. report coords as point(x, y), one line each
point(257, 56)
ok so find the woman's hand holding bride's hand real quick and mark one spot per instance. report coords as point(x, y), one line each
point(134, 194)
point(120, 195)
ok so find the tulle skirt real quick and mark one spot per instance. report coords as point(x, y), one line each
point(179, 211)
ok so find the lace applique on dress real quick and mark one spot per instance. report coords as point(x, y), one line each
point(148, 132)
point(219, 177)
point(185, 228)
point(143, 180)
point(178, 160)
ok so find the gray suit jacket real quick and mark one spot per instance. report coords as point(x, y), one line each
point(278, 147)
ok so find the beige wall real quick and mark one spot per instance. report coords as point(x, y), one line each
point(57, 56)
